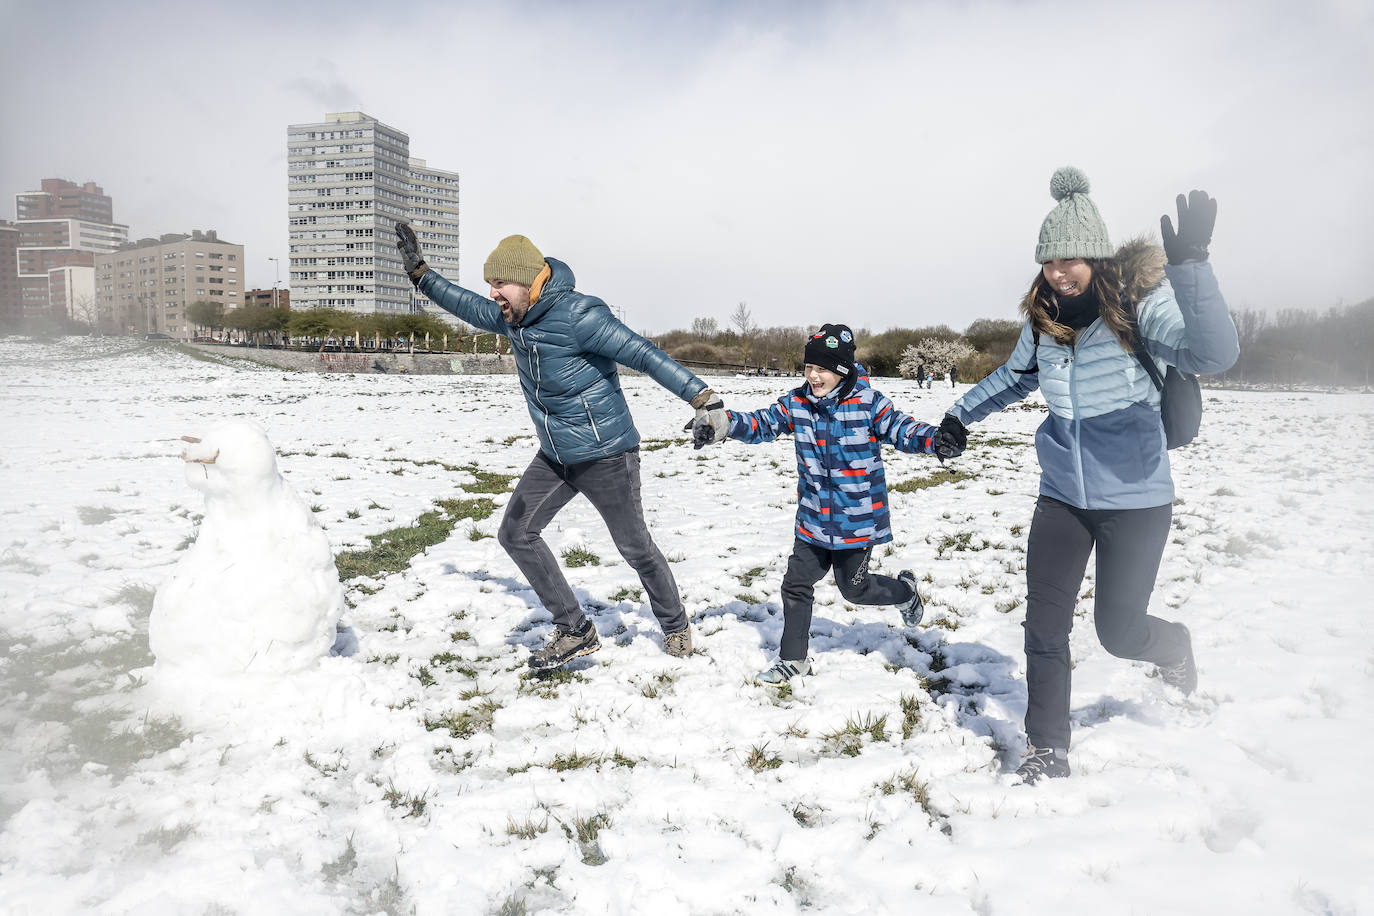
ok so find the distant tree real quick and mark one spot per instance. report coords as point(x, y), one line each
point(704, 327)
point(743, 321)
point(936, 354)
point(257, 320)
point(206, 314)
point(85, 314)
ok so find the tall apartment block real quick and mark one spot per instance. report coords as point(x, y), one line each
point(145, 286)
point(11, 305)
point(62, 228)
point(350, 179)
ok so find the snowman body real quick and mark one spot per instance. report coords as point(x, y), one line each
point(258, 592)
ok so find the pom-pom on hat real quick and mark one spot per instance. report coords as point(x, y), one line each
point(832, 347)
point(515, 259)
point(1074, 229)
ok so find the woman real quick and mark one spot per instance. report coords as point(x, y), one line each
point(1104, 468)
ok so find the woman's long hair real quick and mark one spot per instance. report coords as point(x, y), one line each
point(1042, 308)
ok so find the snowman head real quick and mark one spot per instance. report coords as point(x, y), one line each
point(234, 457)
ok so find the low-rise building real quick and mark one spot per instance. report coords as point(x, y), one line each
point(146, 286)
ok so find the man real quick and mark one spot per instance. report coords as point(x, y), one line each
point(566, 346)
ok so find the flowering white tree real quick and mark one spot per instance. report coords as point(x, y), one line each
point(936, 354)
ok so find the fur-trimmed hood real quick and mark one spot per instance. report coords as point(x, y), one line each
point(1142, 268)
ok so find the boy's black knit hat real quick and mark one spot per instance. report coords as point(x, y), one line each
point(832, 347)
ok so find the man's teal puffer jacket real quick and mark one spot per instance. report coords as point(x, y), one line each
point(566, 349)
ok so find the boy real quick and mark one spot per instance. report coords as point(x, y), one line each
point(837, 421)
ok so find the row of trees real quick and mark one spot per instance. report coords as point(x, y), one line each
point(1295, 347)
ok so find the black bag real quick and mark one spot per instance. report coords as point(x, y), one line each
point(1180, 400)
point(1180, 394)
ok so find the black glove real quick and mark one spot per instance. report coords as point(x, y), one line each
point(951, 439)
point(1197, 214)
point(711, 424)
point(410, 253)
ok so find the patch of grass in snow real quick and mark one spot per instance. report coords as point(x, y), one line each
point(628, 594)
point(525, 830)
point(993, 442)
point(911, 713)
point(805, 815)
point(760, 759)
point(653, 445)
point(574, 761)
point(392, 551)
point(934, 479)
point(959, 542)
point(166, 838)
point(545, 684)
point(467, 722)
point(580, 556)
point(848, 740)
point(95, 515)
point(452, 664)
point(137, 596)
point(413, 804)
point(585, 830)
point(1007, 605)
point(747, 579)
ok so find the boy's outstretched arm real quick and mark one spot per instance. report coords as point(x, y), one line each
point(762, 425)
point(906, 433)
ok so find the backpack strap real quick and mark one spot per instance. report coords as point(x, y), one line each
point(1034, 366)
point(1138, 350)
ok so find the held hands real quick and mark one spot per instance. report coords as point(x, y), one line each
point(711, 424)
point(410, 253)
point(1197, 214)
point(950, 439)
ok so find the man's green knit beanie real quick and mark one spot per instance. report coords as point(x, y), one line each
point(515, 259)
point(1074, 229)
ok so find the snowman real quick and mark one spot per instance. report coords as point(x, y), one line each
point(257, 593)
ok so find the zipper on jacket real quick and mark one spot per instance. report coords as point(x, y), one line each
point(534, 362)
point(1077, 419)
point(590, 419)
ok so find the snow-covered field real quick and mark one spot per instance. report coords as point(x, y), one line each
point(428, 773)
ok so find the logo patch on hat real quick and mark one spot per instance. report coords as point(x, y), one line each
point(846, 337)
point(832, 343)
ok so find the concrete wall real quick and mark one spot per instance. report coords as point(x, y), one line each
point(401, 363)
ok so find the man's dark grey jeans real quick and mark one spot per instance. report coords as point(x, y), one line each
point(612, 486)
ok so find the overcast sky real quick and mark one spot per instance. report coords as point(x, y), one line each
point(876, 163)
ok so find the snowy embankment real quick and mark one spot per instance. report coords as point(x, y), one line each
point(427, 772)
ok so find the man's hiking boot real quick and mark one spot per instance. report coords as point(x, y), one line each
point(1047, 762)
point(914, 609)
point(1184, 674)
point(782, 672)
point(679, 644)
point(565, 645)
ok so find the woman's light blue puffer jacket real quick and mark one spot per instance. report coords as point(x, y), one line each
point(1102, 445)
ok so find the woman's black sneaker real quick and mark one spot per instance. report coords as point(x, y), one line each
point(1043, 762)
point(564, 646)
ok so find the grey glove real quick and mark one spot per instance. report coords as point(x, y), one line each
point(410, 253)
point(712, 424)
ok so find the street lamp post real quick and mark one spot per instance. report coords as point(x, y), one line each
point(276, 303)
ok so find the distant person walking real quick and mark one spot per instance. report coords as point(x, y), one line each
point(1104, 467)
point(953, 372)
point(566, 346)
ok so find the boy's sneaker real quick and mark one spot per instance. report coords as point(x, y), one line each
point(1043, 762)
point(782, 672)
point(564, 646)
point(914, 609)
point(1184, 674)
point(679, 644)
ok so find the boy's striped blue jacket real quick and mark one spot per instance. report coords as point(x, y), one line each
point(841, 490)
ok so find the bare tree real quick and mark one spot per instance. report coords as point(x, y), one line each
point(743, 321)
point(704, 327)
